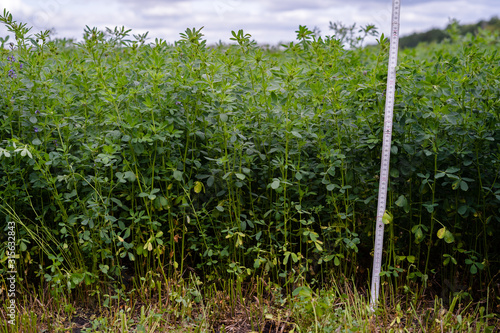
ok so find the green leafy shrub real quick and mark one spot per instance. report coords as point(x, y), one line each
point(236, 160)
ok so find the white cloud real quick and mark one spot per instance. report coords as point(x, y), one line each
point(422, 17)
point(166, 11)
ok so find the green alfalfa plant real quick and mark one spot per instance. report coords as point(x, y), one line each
point(190, 136)
point(40, 235)
point(348, 35)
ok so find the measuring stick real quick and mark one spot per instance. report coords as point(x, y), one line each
point(386, 153)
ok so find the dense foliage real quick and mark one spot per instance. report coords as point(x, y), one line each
point(438, 35)
point(120, 158)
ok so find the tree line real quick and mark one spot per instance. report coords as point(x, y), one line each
point(437, 35)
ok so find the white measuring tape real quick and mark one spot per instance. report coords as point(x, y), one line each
point(386, 153)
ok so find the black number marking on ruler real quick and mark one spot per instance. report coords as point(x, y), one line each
point(386, 152)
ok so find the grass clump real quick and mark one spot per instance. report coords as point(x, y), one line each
point(172, 180)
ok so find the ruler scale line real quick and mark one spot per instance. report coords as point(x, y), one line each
point(386, 153)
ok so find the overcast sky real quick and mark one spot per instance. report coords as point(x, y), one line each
point(268, 21)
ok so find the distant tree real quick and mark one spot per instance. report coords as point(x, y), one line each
point(438, 35)
point(433, 35)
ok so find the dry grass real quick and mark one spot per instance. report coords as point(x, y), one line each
point(186, 306)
